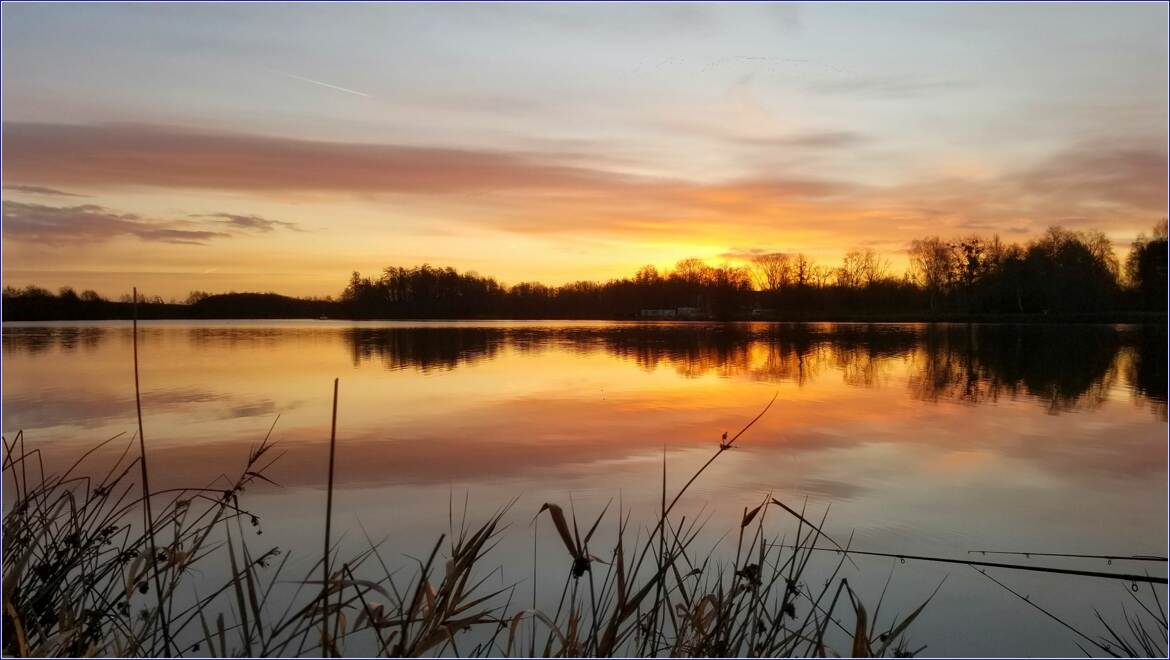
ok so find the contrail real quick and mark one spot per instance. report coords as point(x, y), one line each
point(322, 84)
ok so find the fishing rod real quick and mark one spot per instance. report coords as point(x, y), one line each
point(1129, 577)
point(1071, 556)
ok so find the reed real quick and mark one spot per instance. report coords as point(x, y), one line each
point(80, 558)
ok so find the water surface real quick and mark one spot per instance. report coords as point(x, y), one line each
point(923, 439)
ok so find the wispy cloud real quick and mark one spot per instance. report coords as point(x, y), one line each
point(810, 140)
point(885, 87)
point(725, 133)
point(747, 254)
point(40, 190)
point(1100, 183)
point(322, 83)
point(68, 225)
point(249, 222)
point(61, 225)
point(136, 155)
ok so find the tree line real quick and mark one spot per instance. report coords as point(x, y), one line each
point(1061, 273)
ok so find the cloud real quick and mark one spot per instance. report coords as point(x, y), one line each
point(1101, 184)
point(748, 254)
point(63, 225)
point(1088, 185)
point(41, 190)
point(813, 139)
point(119, 155)
point(1126, 175)
point(249, 222)
point(883, 87)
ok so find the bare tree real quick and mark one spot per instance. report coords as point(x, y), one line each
point(933, 262)
point(647, 275)
point(802, 270)
point(820, 275)
point(691, 270)
point(772, 271)
point(874, 268)
point(1101, 248)
point(851, 273)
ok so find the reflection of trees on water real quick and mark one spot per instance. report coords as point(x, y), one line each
point(425, 349)
point(39, 340)
point(1146, 367)
point(1064, 366)
point(241, 337)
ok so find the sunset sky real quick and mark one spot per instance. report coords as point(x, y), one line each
point(279, 147)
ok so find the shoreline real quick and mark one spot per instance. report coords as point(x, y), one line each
point(1148, 318)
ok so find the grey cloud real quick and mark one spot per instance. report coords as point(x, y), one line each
point(61, 225)
point(1125, 175)
point(40, 190)
point(249, 222)
point(178, 158)
point(810, 140)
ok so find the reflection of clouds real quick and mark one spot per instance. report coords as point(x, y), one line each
point(1064, 367)
point(827, 449)
point(829, 488)
point(843, 387)
point(253, 409)
point(89, 408)
point(866, 422)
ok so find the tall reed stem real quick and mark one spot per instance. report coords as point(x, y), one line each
point(328, 530)
point(148, 515)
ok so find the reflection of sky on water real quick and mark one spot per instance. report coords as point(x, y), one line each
point(927, 440)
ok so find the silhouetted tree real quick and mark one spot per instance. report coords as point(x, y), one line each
point(773, 271)
point(1067, 271)
point(1063, 272)
point(1145, 268)
point(933, 263)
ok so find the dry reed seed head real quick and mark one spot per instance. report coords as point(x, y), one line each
point(581, 565)
point(751, 574)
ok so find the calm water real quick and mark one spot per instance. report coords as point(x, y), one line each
point(924, 440)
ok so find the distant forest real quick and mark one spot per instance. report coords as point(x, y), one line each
point(1063, 274)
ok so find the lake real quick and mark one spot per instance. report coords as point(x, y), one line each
point(929, 440)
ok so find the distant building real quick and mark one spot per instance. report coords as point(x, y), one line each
point(657, 314)
point(688, 313)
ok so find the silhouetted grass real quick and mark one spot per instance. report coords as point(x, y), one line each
point(81, 560)
point(79, 569)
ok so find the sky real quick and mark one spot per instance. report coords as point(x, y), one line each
point(279, 147)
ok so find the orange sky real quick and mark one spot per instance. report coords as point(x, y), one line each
point(183, 148)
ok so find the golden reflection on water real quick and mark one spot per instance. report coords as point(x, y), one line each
point(929, 439)
point(467, 401)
